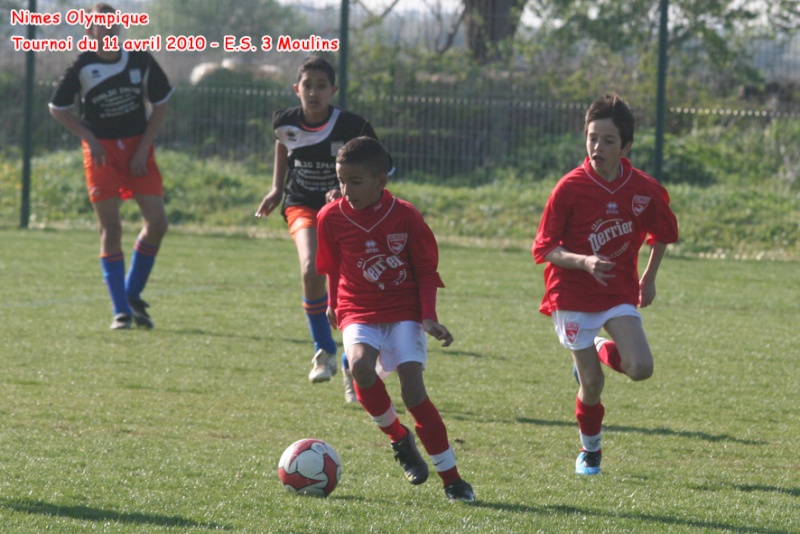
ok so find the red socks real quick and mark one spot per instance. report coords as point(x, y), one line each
point(609, 355)
point(590, 418)
point(378, 405)
point(433, 435)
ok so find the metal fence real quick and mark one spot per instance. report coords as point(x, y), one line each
point(225, 99)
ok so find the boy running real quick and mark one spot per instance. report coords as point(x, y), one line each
point(592, 228)
point(308, 137)
point(381, 260)
point(116, 88)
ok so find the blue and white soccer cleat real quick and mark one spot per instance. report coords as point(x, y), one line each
point(588, 463)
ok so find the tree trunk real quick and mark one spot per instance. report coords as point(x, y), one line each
point(489, 23)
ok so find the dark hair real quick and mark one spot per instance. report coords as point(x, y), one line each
point(317, 63)
point(612, 107)
point(365, 152)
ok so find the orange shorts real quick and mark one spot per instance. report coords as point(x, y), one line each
point(114, 179)
point(300, 217)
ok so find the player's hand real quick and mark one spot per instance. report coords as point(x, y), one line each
point(331, 314)
point(332, 195)
point(97, 151)
point(270, 202)
point(439, 331)
point(599, 268)
point(138, 163)
point(647, 292)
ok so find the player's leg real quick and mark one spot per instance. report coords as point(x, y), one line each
point(148, 242)
point(406, 350)
point(630, 343)
point(589, 411)
point(370, 389)
point(576, 331)
point(315, 304)
point(112, 260)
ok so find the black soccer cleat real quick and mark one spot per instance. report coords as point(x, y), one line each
point(460, 490)
point(405, 452)
point(139, 312)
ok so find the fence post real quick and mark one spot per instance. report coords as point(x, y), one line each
point(27, 153)
point(661, 92)
point(344, 31)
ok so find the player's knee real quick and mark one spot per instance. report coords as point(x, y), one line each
point(640, 370)
point(363, 371)
point(413, 395)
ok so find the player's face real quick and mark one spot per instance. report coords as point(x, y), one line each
point(360, 188)
point(604, 146)
point(315, 92)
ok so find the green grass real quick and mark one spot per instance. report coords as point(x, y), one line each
point(736, 218)
point(179, 429)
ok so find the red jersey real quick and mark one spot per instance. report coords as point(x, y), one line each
point(381, 262)
point(587, 214)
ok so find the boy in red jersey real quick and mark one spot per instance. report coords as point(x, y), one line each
point(116, 88)
point(308, 137)
point(381, 260)
point(594, 223)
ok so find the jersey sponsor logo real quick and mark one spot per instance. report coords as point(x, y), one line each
point(571, 329)
point(606, 231)
point(639, 204)
point(136, 76)
point(371, 246)
point(373, 269)
point(397, 242)
point(612, 208)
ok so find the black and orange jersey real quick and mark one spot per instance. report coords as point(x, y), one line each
point(113, 94)
point(312, 151)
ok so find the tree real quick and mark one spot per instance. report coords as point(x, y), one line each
point(490, 26)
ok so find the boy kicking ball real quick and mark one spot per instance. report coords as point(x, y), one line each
point(381, 261)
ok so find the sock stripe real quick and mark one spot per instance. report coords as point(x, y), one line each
point(144, 248)
point(119, 256)
point(315, 310)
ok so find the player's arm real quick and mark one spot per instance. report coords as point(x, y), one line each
point(647, 283)
point(71, 122)
point(596, 266)
point(280, 168)
point(138, 163)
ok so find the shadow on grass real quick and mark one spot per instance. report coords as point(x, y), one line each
point(88, 513)
point(650, 431)
point(561, 510)
point(749, 488)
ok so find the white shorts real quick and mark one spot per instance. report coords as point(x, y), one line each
point(577, 330)
point(397, 343)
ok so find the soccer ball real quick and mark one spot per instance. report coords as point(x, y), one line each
point(310, 467)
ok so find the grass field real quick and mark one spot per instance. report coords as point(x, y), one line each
point(179, 429)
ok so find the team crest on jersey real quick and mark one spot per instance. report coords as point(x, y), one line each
point(396, 242)
point(136, 76)
point(571, 330)
point(640, 203)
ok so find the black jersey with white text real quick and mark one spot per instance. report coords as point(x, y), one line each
point(312, 151)
point(113, 94)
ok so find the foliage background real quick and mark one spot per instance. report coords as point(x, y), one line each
point(495, 130)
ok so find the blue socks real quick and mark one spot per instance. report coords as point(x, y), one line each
point(114, 275)
point(144, 256)
point(318, 324)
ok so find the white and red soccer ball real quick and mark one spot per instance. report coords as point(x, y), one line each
point(310, 467)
